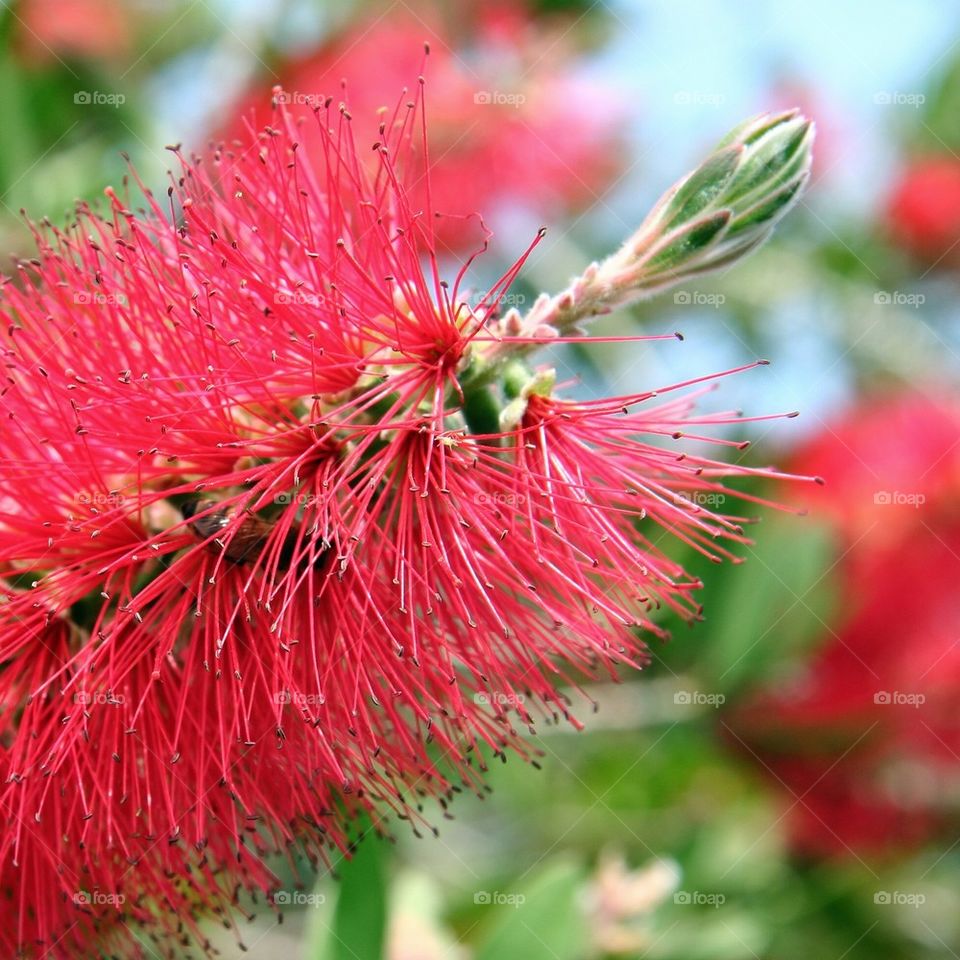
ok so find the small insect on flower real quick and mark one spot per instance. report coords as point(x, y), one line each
point(248, 538)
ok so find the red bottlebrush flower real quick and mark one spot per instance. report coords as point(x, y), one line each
point(504, 88)
point(251, 534)
point(865, 739)
point(923, 210)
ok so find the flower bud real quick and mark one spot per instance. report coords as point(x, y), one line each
point(726, 207)
point(722, 210)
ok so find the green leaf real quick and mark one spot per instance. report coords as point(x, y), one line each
point(540, 921)
point(360, 918)
point(775, 604)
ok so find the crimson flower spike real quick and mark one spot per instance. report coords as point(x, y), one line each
point(290, 532)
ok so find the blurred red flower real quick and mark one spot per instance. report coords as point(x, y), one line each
point(92, 29)
point(882, 460)
point(506, 87)
point(865, 739)
point(923, 210)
